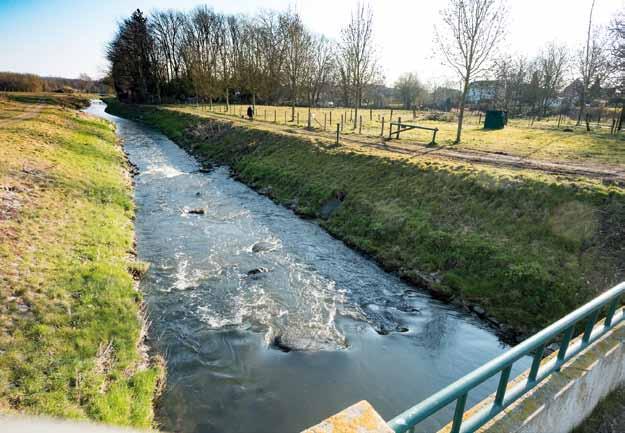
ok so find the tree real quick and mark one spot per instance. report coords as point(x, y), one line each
point(409, 89)
point(298, 55)
point(551, 64)
point(357, 57)
point(592, 63)
point(131, 57)
point(617, 52)
point(471, 32)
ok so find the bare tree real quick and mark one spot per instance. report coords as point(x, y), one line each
point(617, 54)
point(298, 55)
point(357, 58)
point(322, 66)
point(471, 31)
point(168, 30)
point(592, 63)
point(409, 89)
point(551, 64)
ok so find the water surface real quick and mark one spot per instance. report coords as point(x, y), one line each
point(268, 324)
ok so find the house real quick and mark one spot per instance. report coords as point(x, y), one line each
point(482, 91)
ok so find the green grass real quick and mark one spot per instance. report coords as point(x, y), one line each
point(541, 140)
point(70, 327)
point(74, 100)
point(526, 246)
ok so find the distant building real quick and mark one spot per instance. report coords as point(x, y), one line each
point(482, 91)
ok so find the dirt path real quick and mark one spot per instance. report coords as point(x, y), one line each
point(596, 170)
point(32, 112)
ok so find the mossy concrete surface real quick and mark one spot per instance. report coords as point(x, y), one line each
point(359, 418)
point(566, 398)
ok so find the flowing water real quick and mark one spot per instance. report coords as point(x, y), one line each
point(268, 324)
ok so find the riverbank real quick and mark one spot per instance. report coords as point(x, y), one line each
point(519, 248)
point(71, 329)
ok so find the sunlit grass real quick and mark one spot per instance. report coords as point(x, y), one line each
point(539, 139)
point(69, 313)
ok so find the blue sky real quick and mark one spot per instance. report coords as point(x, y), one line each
point(65, 38)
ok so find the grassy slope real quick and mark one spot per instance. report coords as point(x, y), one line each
point(542, 141)
point(69, 313)
point(526, 247)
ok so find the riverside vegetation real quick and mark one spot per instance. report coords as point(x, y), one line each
point(70, 325)
point(520, 248)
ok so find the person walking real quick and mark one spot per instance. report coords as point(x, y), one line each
point(250, 113)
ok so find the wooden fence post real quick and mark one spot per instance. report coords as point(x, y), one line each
point(298, 118)
point(370, 114)
point(338, 132)
point(309, 119)
point(360, 126)
point(398, 127)
point(342, 121)
point(275, 116)
point(285, 122)
point(325, 118)
point(382, 130)
point(330, 117)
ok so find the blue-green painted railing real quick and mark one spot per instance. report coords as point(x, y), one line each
point(606, 306)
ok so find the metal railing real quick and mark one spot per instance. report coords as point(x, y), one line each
point(606, 305)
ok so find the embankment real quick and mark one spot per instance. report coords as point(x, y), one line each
point(518, 248)
point(71, 330)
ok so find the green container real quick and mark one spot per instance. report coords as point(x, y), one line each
point(495, 119)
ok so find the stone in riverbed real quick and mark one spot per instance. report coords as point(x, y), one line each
point(197, 211)
point(257, 271)
point(263, 246)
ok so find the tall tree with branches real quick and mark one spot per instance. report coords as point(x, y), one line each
point(470, 33)
point(592, 63)
point(358, 58)
point(298, 44)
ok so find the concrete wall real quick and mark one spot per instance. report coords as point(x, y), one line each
point(563, 400)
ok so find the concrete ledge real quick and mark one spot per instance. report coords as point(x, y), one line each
point(359, 418)
point(563, 400)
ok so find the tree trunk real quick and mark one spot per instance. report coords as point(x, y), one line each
point(254, 102)
point(582, 107)
point(463, 99)
point(621, 118)
point(356, 107)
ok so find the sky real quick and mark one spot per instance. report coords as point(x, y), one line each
point(68, 37)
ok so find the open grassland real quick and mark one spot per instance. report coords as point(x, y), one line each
point(70, 325)
point(526, 246)
point(67, 100)
point(540, 139)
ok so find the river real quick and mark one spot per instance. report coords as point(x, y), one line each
point(267, 323)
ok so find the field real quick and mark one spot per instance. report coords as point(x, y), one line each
point(527, 246)
point(540, 139)
point(70, 325)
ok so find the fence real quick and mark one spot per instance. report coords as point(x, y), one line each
point(586, 316)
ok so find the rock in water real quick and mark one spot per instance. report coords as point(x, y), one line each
point(278, 344)
point(329, 208)
point(259, 247)
point(257, 271)
point(197, 211)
